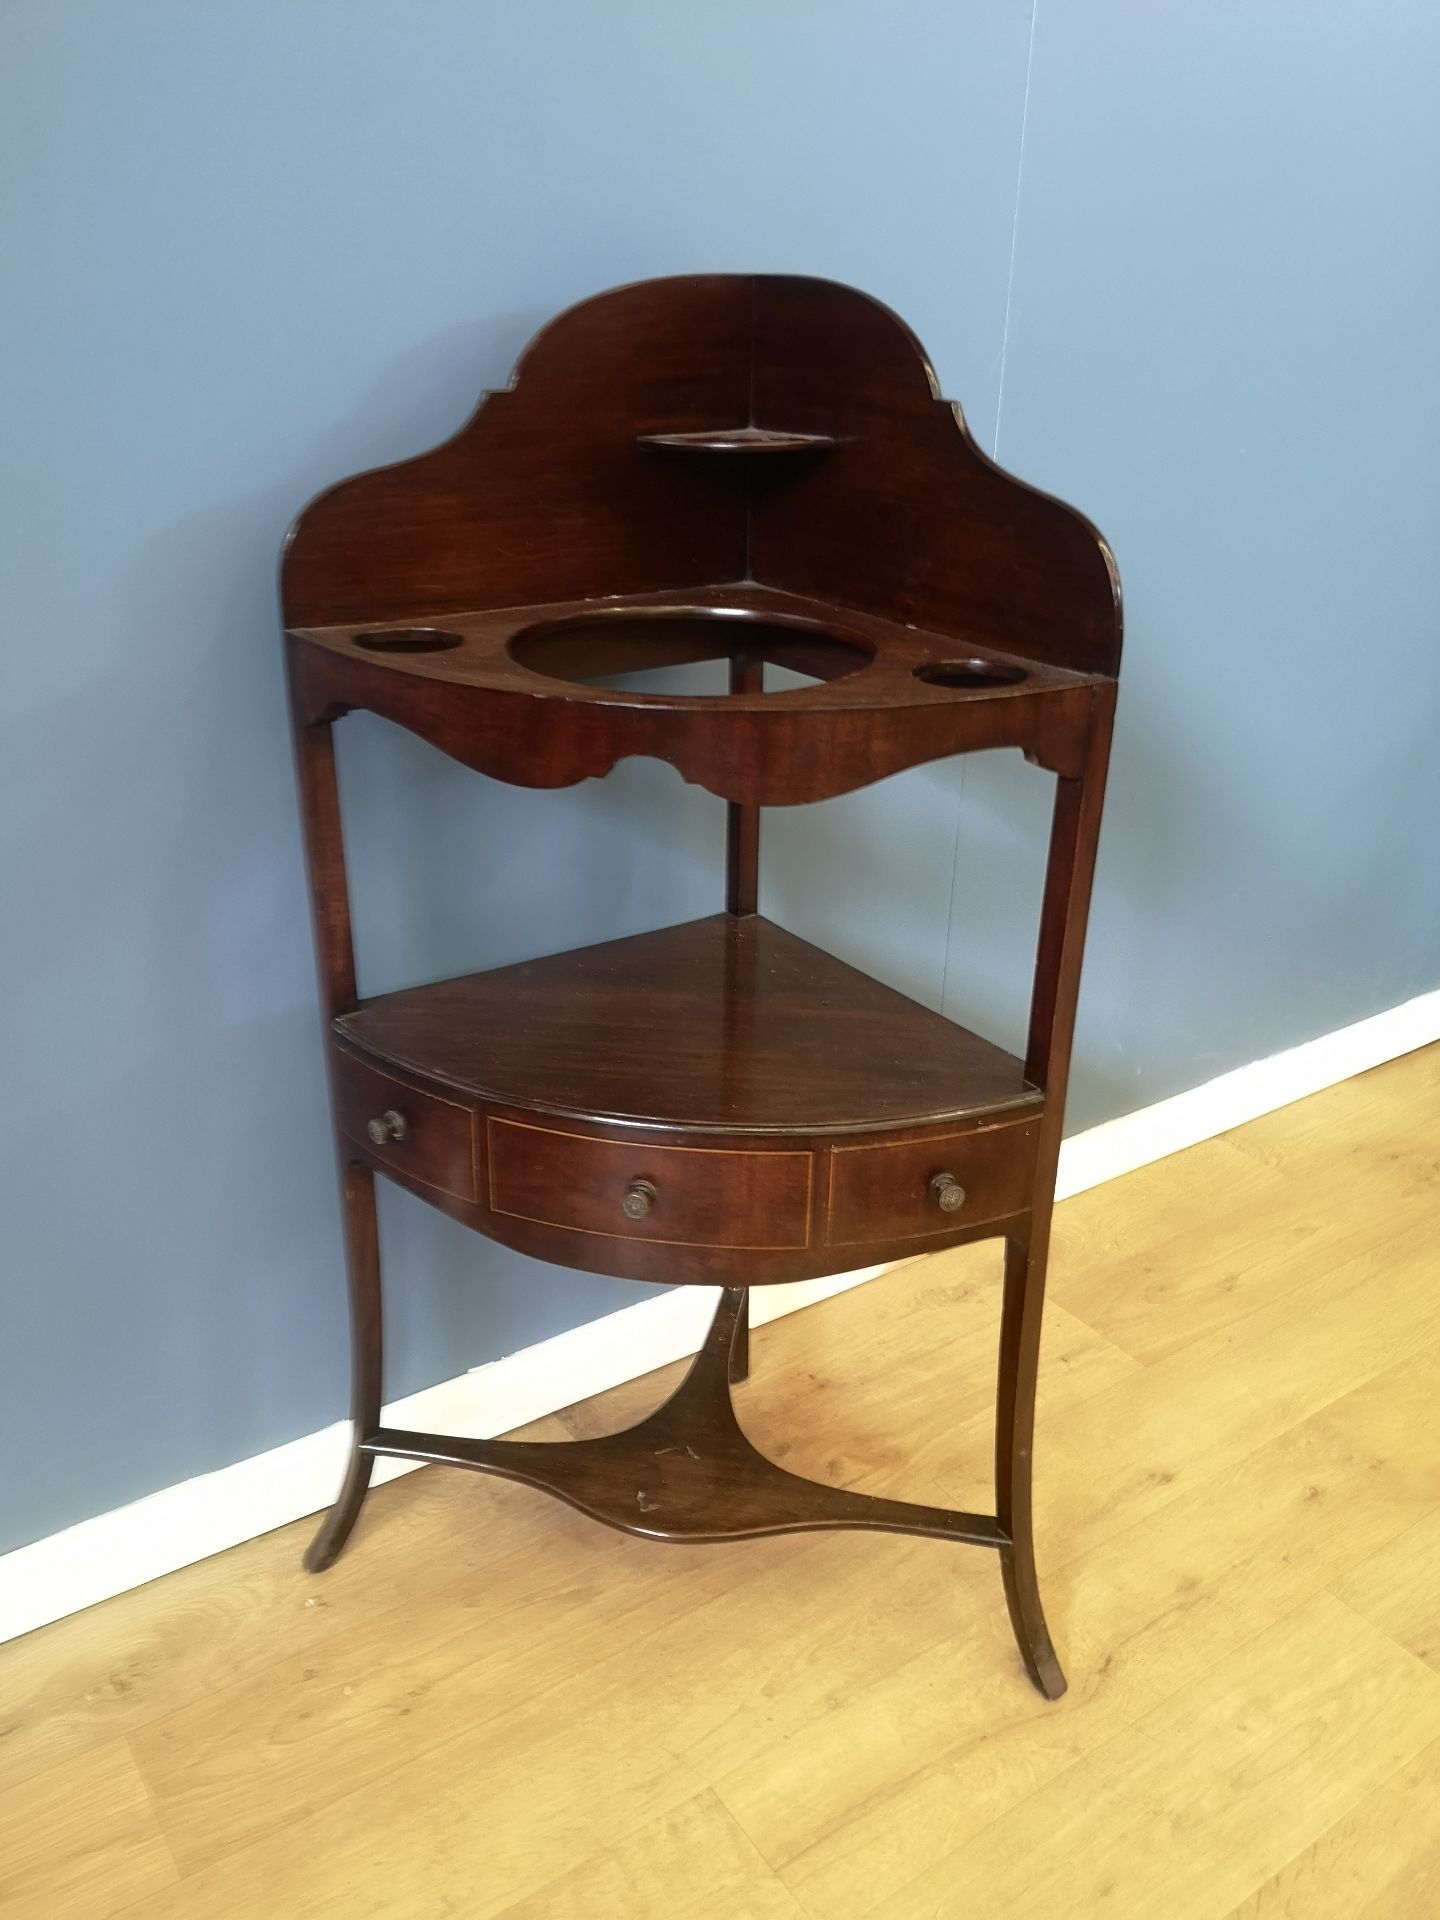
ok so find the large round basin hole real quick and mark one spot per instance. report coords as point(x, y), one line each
point(409, 640)
point(969, 675)
point(639, 649)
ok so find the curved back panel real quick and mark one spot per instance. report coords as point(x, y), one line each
point(635, 450)
point(543, 494)
point(908, 518)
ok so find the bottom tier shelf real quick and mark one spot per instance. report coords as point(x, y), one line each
point(688, 1472)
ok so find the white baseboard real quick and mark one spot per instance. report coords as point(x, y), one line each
point(169, 1529)
point(1136, 1139)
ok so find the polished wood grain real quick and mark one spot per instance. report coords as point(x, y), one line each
point(319, 792)
point(892, 1187)
point(471, 697)
point(688, 1471)
point(504, 1708)
point(742, 824)
point(1064, 911)
point(559, 452)
point(687, 363)
point(757, 470)
point(565, 499)
point(437, 1145)
point(776, 1102)
point(908, 518)
point(630, 1255)
point(544, 494)
point(716, 1026)
point(718, 1196)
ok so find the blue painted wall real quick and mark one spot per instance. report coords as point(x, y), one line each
point(1179, 265)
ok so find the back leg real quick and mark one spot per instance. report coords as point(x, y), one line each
point(740, 1351)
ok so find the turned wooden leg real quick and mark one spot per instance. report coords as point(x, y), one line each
point(1014, 1435)
point(740, 1351)
point(362, 1259)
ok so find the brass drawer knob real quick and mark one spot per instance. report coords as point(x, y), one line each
point(948, 1192)
point(639, 1197)
point(386, 1127)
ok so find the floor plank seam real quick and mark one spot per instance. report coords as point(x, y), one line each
point(1375, 1787)
point(1422, 1666)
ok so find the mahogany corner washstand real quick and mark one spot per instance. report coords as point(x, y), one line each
point(759, 470)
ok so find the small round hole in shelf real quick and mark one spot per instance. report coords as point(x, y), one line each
point(409, 640)
point(970, 675)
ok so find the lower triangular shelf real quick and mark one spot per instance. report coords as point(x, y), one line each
point(687, 1472)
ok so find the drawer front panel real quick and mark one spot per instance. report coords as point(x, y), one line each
point(889, 1191)
point(437, 1145)
point(690, 1196)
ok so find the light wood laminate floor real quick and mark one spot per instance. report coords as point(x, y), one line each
point(494, 1707)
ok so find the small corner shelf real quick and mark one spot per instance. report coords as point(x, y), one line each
point(718, 1103)
point(756, 440)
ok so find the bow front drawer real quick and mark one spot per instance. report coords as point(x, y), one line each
point(417, 1135)
point(691, 1196)
point(936, 1184)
